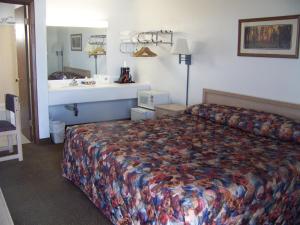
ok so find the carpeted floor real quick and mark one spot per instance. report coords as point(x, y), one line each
point(37, 194)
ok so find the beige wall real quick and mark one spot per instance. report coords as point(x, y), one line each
point(8, 61)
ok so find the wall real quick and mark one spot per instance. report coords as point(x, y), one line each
point(7, 10)
point(95, 111)
point(211, 26)
point(59, 38)
point(53, 62)
point(91, 12)
point(41, 64)
point(8, 54)
point(8, 61)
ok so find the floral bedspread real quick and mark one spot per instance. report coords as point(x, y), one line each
point(184, 170)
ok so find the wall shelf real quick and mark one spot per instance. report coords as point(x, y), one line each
point(99, 40)
point(148, 38)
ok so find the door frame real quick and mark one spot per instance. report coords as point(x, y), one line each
point(33, 71)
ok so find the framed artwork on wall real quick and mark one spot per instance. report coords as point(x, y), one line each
point(276, 37)
point(76, 42)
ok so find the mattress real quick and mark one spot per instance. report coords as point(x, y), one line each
point(184, 170)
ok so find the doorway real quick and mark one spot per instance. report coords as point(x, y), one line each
point(21, 17)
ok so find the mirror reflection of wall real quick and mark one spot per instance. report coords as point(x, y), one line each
point(68, 59)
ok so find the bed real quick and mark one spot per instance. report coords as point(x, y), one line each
point(215, 164)
point(70, 73)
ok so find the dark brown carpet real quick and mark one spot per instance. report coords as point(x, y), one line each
point(37, 194)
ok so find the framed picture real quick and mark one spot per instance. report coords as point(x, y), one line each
point(269, 37)
point(76, 42)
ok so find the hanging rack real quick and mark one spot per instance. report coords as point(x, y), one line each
point(156, 37)
point(97, 40)
point(164, 37)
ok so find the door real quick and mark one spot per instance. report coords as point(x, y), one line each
point(23, 78)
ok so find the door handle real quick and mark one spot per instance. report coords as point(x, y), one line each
point(17, 79)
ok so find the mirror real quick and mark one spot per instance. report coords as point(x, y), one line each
point(75, 52)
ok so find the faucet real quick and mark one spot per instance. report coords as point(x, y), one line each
point(74, 82)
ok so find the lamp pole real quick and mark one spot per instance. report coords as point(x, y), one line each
point(187, 85)
point(96, 67)
point(181, 48)
point(188, 61)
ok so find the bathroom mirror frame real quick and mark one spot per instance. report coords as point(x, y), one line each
point(65, 62)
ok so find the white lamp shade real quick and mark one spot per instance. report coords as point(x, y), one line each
point(181, 47)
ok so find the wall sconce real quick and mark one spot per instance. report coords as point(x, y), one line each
point(181, 48)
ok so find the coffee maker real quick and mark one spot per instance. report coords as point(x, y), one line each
point(125, 76)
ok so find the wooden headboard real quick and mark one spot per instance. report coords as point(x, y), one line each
point(289, 110)
point(85, 73)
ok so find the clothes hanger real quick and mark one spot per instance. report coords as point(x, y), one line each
point(144, 52)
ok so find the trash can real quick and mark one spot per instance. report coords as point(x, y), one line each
point(57, 131)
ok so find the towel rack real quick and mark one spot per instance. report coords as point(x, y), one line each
point(161, 37)
point(97, 40)
point(156, 37)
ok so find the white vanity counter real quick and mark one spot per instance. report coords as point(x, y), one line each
point(60, 93)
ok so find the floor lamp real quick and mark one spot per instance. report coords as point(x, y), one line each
point(95, 51)
point(96, 62)
point(181, 48)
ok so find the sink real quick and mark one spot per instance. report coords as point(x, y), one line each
point(60, 93)
point(56, 85)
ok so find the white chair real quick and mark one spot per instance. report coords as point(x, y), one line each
point(11, 127)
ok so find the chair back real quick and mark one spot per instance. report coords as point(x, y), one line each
point(11, 127)
point(12, 106)
point(10, 101)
